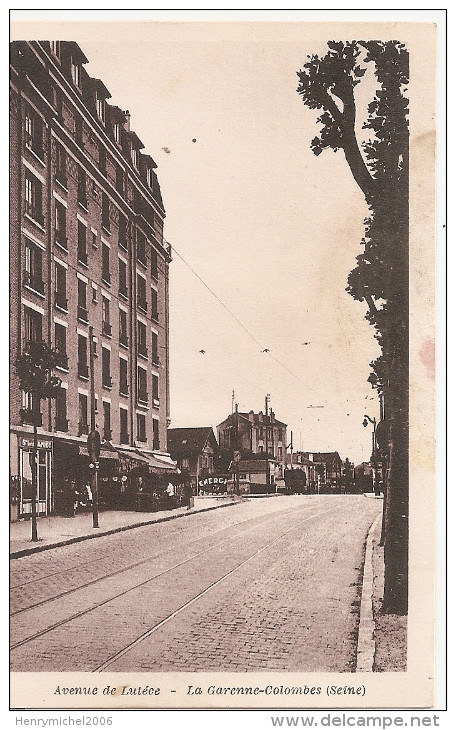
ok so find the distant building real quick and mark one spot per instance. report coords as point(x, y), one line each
point(297, 461)
point(328, 468)
point(196, 451)
point(259, 441)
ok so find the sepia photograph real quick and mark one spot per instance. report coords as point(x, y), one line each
point(222, 361)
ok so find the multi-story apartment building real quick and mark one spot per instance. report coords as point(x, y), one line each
point(258, 435)
point(87, 255)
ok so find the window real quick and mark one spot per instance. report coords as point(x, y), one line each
point(123, 328)
point(134, 155)
point(102, 159)
point(141, 248)
point(82, 243)
point(33, 325)
point(82, 187)
point(106, 421)
point(79, 131)
point(123, 290)
point(105, 212)
point(141, 427)
point(76, 73)
point(154, 263)
point(154, 313)
point(142, 339)
point(83, 367)
point(60, 344)
point(60, 166)
point(101, 107)
point(149, 177)
point(123, 376)
point(123, 413)
point(105, 272)
point(83, 423)
point(34, 133)
point(116, 132)
point(61, 287)
point(155, 356)
point(61, 421)
point(55, 48)
point(142, 386)
point(155, 396)
point(106, 367)
point(279, 434)
point(33, 274)
point(94, 293)
point(106, 325)
point(141, 293)
point(60, 226)
point(156, 436)
point(83, 314)
point(119, 179)
point(34, 198)
point(123, 231)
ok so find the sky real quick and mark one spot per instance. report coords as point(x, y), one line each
point(272, 230)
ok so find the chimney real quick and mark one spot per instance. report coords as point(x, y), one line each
point(127, 120)
point(272, 416)
point(251, 416)
point(260, 416)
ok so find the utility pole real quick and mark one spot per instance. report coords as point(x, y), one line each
point(93, 440)
point(266, 408)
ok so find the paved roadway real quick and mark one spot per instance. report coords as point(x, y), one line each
point(269, 584)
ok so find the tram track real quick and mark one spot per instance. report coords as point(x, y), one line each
point(123, 569)
point(120, 594)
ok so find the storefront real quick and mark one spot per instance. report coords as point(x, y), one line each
point(149, 484)
point(43, 476)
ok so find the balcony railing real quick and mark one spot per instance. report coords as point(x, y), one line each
point(61, 301)
point(34, 212)
point(61, 240)
point(61, 179)
point(83, 370)
point(83, 258)
point(83, 314)
point(61, 424)
point(34, 282)
point(106, 381)
point(143, 397)
point(31, 418)
point(62, 363)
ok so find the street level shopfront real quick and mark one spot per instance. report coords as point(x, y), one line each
point(126, 479)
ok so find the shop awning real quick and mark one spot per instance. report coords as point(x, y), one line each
point(155, 465)
point(105, 453)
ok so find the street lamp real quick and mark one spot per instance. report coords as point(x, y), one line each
point(368, 419)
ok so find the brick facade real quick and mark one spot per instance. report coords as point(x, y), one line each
point(87, 250)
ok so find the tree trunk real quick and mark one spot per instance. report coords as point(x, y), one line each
point(395, 597)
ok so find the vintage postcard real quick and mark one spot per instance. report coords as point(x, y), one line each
point(222, 285)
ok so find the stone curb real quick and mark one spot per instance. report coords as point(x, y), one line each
point(365, 651)
point(123, 528)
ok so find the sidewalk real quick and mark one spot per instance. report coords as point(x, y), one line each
point(55, 531)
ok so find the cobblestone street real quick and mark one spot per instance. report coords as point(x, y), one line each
point(269, 584)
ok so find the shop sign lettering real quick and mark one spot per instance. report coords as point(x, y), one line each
point(212, 481)
point(41, 444)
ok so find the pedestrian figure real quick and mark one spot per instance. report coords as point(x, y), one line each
point(188, 494)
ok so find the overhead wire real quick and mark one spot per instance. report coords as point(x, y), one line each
point(241, 324)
